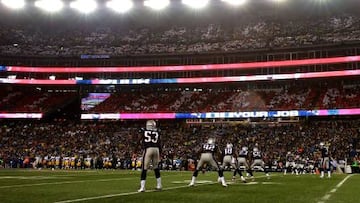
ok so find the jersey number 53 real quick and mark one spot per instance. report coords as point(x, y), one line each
point(151, 136)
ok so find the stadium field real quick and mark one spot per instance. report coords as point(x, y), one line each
point(121, 186)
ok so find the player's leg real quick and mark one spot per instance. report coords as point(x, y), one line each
point(214, 164)
point(322, 168)
point(241, 162)
point(198, 167)
point(145, 165)
point(250, 169)
point(327, 167)
point(262, 164)
point(155, 161)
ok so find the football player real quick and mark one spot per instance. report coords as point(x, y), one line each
point(289, 164)
point(229, 160)
point(242, 160)
point(151, 142)
point(257, 161)
point(207, 157)
point(325, 160)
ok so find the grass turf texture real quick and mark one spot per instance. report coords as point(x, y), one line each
point(121, 186)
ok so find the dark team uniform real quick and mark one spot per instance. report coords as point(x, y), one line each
point(325, 158)
point(257, 161)
point(151, 144)
point(229, 157)
point(207, 156)
point(242, 159)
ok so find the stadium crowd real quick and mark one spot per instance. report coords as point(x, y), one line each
point(69, 144)
point(242, 34)
point(289, 96)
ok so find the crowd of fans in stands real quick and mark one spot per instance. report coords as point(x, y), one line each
point(242, 34)
point(215, 100)
point(21, 143)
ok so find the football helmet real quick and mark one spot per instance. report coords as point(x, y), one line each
point(229, 145)
point(244, 148)
point(211, 141)
point(256, 149)
point(150, 125)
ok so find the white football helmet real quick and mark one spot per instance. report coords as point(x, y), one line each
point(229, 145)
point(244, 148)
point(150, 125)
point(256, 149)
point(211, 141)
point(322, 144)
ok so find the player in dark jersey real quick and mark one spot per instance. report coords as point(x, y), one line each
point(151, 142)
point(242, 160)
point(258, 161)
point(230, 160)
point(325, 160)
point(207, 156)
point(290, 162)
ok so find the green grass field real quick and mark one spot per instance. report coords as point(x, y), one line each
point(121, 186)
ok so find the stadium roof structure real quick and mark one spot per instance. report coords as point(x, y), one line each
point(122, 6)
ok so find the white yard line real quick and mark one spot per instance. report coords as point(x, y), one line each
point(124, 194)
point(133, 193)
point(328, 195)
point(64, 182)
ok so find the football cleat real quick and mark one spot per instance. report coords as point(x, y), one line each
point(141, 190)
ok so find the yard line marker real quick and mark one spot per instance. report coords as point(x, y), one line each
point(133, 193)
point(328, 195)
point(64, 182)
point(123, 194)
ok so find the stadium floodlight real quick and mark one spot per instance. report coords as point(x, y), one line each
point(120, 6)
point(196, 4)
point(278, 1)
point(50, 5)
point(14, 4)
point(84, 6)
point(235, 2)
point(157, 4)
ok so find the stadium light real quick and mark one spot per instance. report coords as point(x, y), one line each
point(278, 1)
point(195, 4)
point(120, 6)
point(235, 2)
point(84, 6)
point(157, 4)
point(14, 4)
point(50, 5)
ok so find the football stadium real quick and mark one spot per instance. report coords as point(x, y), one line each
point(252, 101)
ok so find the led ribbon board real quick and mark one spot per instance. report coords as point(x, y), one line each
point(226, 115)
point(268, 64)
point(21, 115)
point(341, 73)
